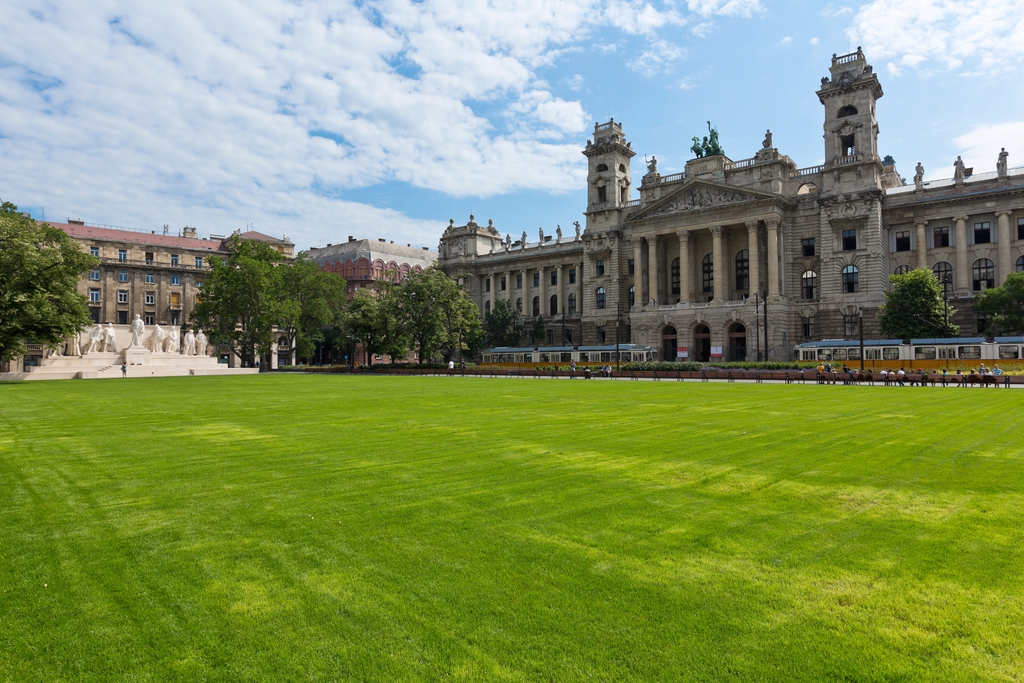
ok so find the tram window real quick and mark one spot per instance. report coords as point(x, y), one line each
point(1007, 352)
point(891, 353)
point(824, 354)
point(838, 354)
point(605, 357)
point(853, 354)
point(566, 356)
point(527, 357)
point(872, 354)
point(584, 357)
point(545, 358)
point(969, 352)
point(924, 353)
point(947, 353)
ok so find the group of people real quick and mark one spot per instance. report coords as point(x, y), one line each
point(603, 371)
point(901, 377)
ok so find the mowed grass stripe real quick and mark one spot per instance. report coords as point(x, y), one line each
point(393, 528)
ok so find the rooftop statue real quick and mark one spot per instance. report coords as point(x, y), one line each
point(959, 170)
point(652, 165)
point(919, 176)
point(1001, 163)
point(767, 144)
point(577, 224)
point(710, 146)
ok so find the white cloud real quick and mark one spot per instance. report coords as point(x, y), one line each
point(929, 35)
point(275, 112)
point(703, 29)
point(786, 40)
point(813, 41)
point(980, 147)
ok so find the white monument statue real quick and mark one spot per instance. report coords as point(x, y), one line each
point(95, 339)
point(58, 350)
point(156, 342)
point(190, 343)
point(201, 342)
point(172, 341)
point(74, 346)
point(138, 329)
point(558, 232)
point(110, 338)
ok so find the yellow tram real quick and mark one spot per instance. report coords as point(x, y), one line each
point(930, 354)
point(509, 356)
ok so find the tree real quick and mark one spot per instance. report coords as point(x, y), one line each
point(503, 324)
point(373, 317)
point(310, 300)
point(40, 267)
point(241, 302)
point(914, 308)
point(1003, 307)
point(538, 330)
point(460, 319)
point(424, 299)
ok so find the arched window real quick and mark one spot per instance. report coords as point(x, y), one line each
point(553, 305)
point(743, 270)
point(572, 304)
point(536, 306)
point(943, 272)
point(600, 297)
point(809, 284)
point(708, 273)
point(622, 167)
point(848, 110)
point(903, 270)
point(519, 304)
point(851, 276)
point(1020, 264)
point(675, 276)
point(601, 168)
point(984, 274)
point(632, 293)
point(807, 188)
point(487, 307)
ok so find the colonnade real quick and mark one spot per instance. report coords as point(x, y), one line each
point(962, 276)
point(528, 291)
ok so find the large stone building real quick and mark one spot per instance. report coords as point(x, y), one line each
point(363, 262)
point(681, 264)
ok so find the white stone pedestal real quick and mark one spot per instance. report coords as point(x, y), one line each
point(136, 356)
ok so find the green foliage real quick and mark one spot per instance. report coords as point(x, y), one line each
point(241, 301)
point(358, 528)
point(375, 318)
point(503, 324)
point(40, 267)
point(1003, 306)
point(914, 308)
point(310, 300)
point(538, 330)
point(437, 312)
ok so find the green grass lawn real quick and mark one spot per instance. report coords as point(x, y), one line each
point(331, 528)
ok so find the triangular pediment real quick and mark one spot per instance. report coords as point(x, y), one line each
point(701, 195)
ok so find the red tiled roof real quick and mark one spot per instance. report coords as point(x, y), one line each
point(112, 235)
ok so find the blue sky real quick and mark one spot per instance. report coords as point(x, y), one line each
point(385, 118)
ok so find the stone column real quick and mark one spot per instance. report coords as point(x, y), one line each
point(774, 288)
point(922, 244)
point(684, 266)
point(494, 288)
point(1004, 264)
point(638, 280)
point(652, 268)
point(721, 285)
point(962, 274)
point(579, 291)
point(561, 290)
point(755, 256)
point(510, 286)
point(542, 272)
point(527, 311)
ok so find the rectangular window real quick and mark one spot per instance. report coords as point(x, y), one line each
point(122, 296)
point(572, 276)
point(925, 353)
point(150, 318)
point(941, 237)
point(122, 254)
point(849, 240)
point(150, 298)
point(174, 259)
point(122, 276)
point(551, 336)
point(503, 283)
point(1020, 228)
point(632, 267)
point(554, 277)
point(600, 335)
point(487, 284)
point(199, 284)
point(969, 352)
point(149, 257)
point(175, 298)
point(175, 279)
point(903, 241)
point(891, 353)
point(94, 251)
point(838, 354)
point(536, 280)
point(982, 233)
point(199, 261)
point(94, 296)
point(519, 281)
point(175, 320)
point(853, 354)
point(872, 354)
point(599, 268)
point(808, 246)
point(824, 354)
point(94, 274)
point(150, 278)
point(1009, 352)
point(808, 327)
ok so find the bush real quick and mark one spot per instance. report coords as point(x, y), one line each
point(663, 366)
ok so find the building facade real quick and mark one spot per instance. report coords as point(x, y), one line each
point(688, 263)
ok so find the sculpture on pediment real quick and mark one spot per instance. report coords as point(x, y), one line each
point(710, 146)
point(959, 171)
point(696, 148)
point(451, 225)
point(652, 165)
point(492, 245)
point(1001, 163)
point(577, 224)
point(523, 243)
point(919, 176)
point(540, 232)
point(767, 143)
point(701, 198)
point(558, 234)
point(508, 242)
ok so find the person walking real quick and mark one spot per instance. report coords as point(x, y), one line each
point(572, 369)
point(451, 367)
point(124, 370)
